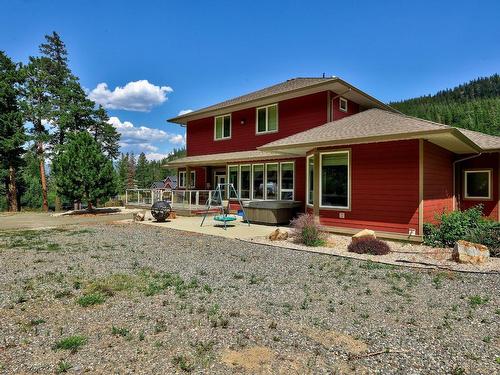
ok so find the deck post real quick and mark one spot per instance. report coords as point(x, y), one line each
point(188, 178)
point(316, 186)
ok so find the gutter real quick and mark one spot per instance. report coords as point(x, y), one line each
point(454, 176)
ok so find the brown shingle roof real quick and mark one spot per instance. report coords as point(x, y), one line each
point(485, 141)
point(222, 158)
point(288, 86)
point(367, 124)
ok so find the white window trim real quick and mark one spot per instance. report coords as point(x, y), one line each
point(239, 181)
point(263, 181)
point(230, 127)
point(267, 119)
point(343, 100)
point(292, 190)
point(489, 197)
point(183, 185)
point(229, 180)
point(277, 181)
point(192, 179)
point(348, 152)
point(307, 180)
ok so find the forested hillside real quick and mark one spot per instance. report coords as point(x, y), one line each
point(474, 105)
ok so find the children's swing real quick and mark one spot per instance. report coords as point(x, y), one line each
point(216, 202)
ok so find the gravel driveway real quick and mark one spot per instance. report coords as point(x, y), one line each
point(129, 298)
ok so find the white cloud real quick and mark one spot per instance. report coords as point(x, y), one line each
point(184, 112)
point(139, 96)
point(156, 156)
point(144, 139)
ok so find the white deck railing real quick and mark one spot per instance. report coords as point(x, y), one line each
point(180, 199)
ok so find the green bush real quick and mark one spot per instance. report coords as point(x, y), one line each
point(91, 299)
point(72, 343)
point(466, 225)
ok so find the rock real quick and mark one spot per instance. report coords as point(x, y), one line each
point(469, 252)
point(278, 235)
point(139, 216)
point(364, 234)
point(172, 215)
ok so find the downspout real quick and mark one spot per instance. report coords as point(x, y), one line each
point(454, 176)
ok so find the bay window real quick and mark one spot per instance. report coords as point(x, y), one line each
point(258, 181)
point(267, 119)
point(334, 179)
point(477, 184)
point(245, 180)
point(287, 181)
point(271, 181)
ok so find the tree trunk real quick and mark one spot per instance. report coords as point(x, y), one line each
point(43, 179)
point(12, 190)
point(58, 203)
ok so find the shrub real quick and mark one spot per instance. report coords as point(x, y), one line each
point(369, 246)
point(466, 225)
point(306, 231)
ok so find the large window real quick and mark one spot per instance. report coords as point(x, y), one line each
point(334, 179)
point(310, 179)
point(233, 179)
point(287, 181)
point(477, 184)
point(245, 180)
point(222, 127)
point(258, 181)
point(182, 179)
point(193, 179)
point(267, 119)
point(272, 181)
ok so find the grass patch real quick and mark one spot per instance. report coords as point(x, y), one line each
point(72, 343)
point(183, 363)
point(63, 367)
point(91, 299)
point(475, 301)
point(121, 331)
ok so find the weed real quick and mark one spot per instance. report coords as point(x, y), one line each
point(63, 294)
point(36, 322)
point(183, 363)
point(91, 299)
point(487, 339)
point(53, 247)
point(207, 288)
point(120, 331)
point(475, 301)
point(72, 343)
point(63, 366)
point(238, 276)
point(141, 336)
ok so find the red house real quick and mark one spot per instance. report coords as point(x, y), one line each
point(352, 160)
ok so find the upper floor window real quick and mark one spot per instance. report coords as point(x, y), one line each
point(267, 119)
point(343, 104)
point(477, 184)
point(222, 127)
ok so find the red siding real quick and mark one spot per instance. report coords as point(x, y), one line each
point(385, 194)
point(294, 115)
point(438, 181)
point(352, 108)
point(486, 161)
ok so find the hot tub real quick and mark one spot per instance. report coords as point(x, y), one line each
point(272, 212)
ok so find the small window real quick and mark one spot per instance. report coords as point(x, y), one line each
point(287, 181)
point(182, 179)
point(478, 184)
point(222, 127)
point(267, 119)
point(343, 104)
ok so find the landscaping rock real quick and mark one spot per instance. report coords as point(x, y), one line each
point(469, 252)
point(365, 233)
point(139, 216)
point(278, 235)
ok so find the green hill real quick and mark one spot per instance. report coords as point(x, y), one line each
point(474, 105)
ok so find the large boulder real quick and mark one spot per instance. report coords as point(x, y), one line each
point(469, 252)
point(278, 235)
point(364, 234)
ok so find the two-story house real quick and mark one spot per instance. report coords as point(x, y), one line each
point(352, 160)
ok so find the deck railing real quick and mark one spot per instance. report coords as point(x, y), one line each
point(180, 199)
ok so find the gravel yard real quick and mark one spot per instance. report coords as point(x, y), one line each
point(131, 298)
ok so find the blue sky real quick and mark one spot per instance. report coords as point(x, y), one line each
point(196, 53)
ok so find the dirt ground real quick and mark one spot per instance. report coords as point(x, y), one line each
point(92, 296)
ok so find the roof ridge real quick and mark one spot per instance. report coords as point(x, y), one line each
point(413, 118)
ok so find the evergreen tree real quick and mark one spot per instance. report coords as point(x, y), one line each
point(142, 171)
point(12, 136)
point(104, 133)
point(122, 171)
point(131, 181)
point(92, 176)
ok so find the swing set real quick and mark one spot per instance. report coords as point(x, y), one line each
point(216, 202)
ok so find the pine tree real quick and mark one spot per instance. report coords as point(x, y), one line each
point(104, 133)
point(92, 176)
point(131, 181)
point(141, 171)
point(12, 136)
point(122, 170)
